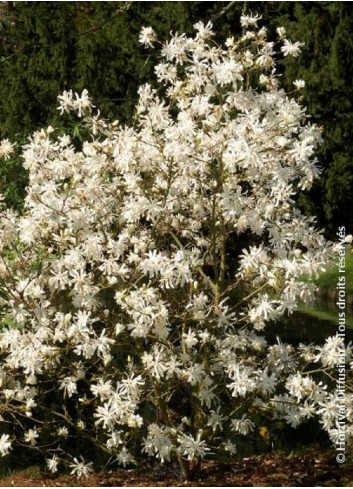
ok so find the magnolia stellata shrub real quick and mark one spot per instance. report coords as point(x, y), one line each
point(126, 325)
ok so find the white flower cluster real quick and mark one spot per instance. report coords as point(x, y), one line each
point(116, 281)
point(78, 103)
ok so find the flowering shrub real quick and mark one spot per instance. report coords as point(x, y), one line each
point(115, 281)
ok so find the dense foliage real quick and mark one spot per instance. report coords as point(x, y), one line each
point(117, 272)
point(47, 47)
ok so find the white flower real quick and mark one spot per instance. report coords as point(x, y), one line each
point(243, 426)
point(69, 386)
point(52, 464)
point(81, 468)
point(158, 442)
point(102, 389)
point(124, 457)
point(191, 447)
point(230, 447)
point(300, 386)
point(229, 42)
point(30, 404)
point(281, 31)
point(331, 352)
point(82, 103)
point(5, 445)
point(66, 101)
point(6, 149)
point(190, 339)
point(31, 436)
point(63, 432)
point(294, 417)
point(106, 415)
point(147, 37)
point(291, 49)
point(242, 382)
point(299, 84)
point(215, 420)
point(267, 382)
point(204, 31)
point(249, 20)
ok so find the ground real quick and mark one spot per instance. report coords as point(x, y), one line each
point(310, 469)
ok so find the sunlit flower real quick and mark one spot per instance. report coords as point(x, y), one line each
point(291, 49)
point(147, 37)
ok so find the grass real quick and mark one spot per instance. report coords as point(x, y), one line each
point(325, 314)
point(329, 279)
